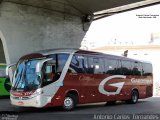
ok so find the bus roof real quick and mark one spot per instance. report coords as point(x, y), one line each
point(52, 51)
point(110, 56)
point(80, 51)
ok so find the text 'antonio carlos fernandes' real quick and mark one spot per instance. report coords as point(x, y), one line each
point(126, 117)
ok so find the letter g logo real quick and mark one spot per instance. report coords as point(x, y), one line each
point(118, 85)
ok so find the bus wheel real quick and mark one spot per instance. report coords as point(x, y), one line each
point(134, 97)
point(70, 102)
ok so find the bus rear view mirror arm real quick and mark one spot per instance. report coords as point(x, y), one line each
point(8, 67)
point(40, 64)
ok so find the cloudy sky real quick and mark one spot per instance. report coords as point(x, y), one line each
point(126, 27)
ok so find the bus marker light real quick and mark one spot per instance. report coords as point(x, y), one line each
point(59, 97)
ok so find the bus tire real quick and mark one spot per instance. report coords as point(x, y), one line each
point(134, 97)
point(70, 102)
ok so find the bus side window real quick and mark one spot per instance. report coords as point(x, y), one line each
point(96, 65)
point(147, 69)
point(109, 67)
point(90, 65)
point(50, 72)
point(62, 58)
point(61, 61)
point(118, 67)
point(112, 66)
point(73, 65)
point(78, 64)
point(127, 67)
point(137, 69)
point(85, 63)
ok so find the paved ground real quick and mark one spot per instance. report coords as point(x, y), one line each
point(85, 112)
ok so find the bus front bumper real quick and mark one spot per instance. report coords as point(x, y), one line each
point(26, 102)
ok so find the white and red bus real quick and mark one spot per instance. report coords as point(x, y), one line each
point(67, 77)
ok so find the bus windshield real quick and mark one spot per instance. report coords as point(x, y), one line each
point(28, 77)
point(25, 77)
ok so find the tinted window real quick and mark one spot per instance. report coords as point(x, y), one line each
point(96, 65)
point(137, 68)
point(49, 73)
point(78, 64)
point(102, 65)
point(127, 68)
point(112, 66)
point(62, 59)
point(147, 69)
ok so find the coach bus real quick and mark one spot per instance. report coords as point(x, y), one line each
point(5, 84)
point(67, 77)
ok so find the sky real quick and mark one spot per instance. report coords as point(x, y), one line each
point(125, 28)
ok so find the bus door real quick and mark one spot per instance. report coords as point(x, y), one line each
point(48, 76)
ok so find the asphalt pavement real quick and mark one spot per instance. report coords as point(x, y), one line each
point(145, 109)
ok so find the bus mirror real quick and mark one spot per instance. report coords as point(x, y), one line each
point(40, 64)
point(7, 69)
